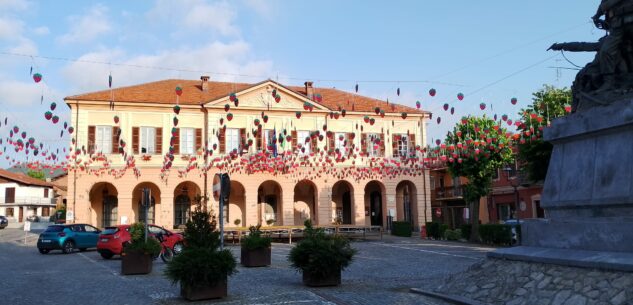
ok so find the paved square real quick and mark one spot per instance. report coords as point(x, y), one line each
point(382, 273)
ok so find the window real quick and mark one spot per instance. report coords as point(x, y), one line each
point(9, 195)
point(432, 182)
point(269, 139)
point(232, 140)
point(373, 148)
point(150, 211)
point(46, 211)
point(8, 212)
point(187, 136)
point(45, 193)
point(403, 145)
point(302, 135)
point(182, 210)
point(103, 141)
point(90, 229)
point(510, 170)
point(495, 174)
point(340, 140)
point(148, 140)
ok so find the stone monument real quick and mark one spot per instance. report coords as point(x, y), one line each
point(588, 192)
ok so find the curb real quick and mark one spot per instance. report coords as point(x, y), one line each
point(445, 297)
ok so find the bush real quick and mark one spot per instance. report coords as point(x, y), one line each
point(453, 234)
point(137, 241)
point(498, 234)
point(433, 230)
point(201, 263)
point(466, 230)
point(319, 254)
point(442, 229)
point(255, 240)
point(402, 228)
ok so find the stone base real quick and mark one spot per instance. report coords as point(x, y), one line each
point(496, 281)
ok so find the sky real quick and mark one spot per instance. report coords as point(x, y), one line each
point(489, 50)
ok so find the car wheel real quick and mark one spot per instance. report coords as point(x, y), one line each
point(44, 251)
point(68, 247)
point(83, 249)
point(106, 255)
point(178, 248)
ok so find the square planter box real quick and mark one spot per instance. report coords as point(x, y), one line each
point(216, 291)
point(134, 262)
point(312, 281)
point(255, 258)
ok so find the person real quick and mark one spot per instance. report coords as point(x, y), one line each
point(618, 22)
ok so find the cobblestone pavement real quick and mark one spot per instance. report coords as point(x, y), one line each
point(382, 273)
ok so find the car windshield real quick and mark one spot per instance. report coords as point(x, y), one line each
point(55, 229)
point(110, 230)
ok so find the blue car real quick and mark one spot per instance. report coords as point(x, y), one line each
point(68, 238)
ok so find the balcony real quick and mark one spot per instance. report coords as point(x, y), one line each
point(28, 200)
point(449, 193)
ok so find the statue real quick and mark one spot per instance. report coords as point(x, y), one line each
point(609, 77)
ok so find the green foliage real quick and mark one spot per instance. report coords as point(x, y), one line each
point(442, 229)
point(320, 254)
point(548, 103)
point(433, 230)
point(36, 174)
point(255, 240)
point(498, 234)
point(137, 241)
point(453, 234)
point(201, 263)
point(402, 228)
point(465, 229)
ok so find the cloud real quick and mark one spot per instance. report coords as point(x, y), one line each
point(20, 94)
point(214, 58)
point(197, 14)
point(11, 29)
point(87, 27)
point(42, 30)
point(263, 8)
point(14, 5)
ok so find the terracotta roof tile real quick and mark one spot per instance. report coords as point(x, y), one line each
point(164, 92)
point(23, 179)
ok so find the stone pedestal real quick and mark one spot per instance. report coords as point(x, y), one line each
point(588, 193)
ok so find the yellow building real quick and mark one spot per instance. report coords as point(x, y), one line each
point(339, 156)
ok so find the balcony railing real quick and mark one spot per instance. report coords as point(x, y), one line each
point(29, 200)
point(449, 192)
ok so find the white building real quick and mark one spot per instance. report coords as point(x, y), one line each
point(22, 196)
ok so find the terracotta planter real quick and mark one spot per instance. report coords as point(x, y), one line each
point(255, 258)
point(216, 291)
point(135, 262)
point(333, 279)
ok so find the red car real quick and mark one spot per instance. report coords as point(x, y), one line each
point(112, 239)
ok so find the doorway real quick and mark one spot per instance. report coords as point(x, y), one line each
point(375, 199)
point(347, 208)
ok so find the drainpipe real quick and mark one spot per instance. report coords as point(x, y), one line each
point(75, 170)
point(206, 154)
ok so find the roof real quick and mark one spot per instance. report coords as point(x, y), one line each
point(23, 179)
point(163, 92)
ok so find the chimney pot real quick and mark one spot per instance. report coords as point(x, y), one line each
point(309, 90)
point(205, 82)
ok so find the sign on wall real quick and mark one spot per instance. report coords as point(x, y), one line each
point(70, 216)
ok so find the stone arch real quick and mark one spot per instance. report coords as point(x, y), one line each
point(407, 202)
point(270, 202)
point(376, 203)
point(236, 208)
point(305, 202)
point(343, 202)
point(186, 195)
point(104, 205)
point(137, 208)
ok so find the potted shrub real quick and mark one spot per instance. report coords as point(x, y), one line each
point(139, 253)
point(255, 250)
point(321, 257)
point(201, 269)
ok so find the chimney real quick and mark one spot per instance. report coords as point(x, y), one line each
point(309, 90)
point(205, 83)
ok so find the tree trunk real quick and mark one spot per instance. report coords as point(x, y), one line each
point(474, 217)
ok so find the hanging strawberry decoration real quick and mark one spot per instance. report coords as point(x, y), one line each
point(382, 113)
point(265, 119)
point(404, 115)
point(452, 110)
point(236, 102)
point(178, 90)
point(71, 130)
point(277, 98)
point(256, 122)
point(460, 96)
point(432, 92)
point(232, 97)
point(298, 114)
point(437, 142)
point(372, 121)
point(377, 110)
point(417, 104)
point(53, 106)
point(398, 91)
point(16, 129)
point(356, 88)
point(37, 77)
point(177, 109)
point(567, 108)
point(48, 115)
point(513, 101)
point(482, 106)
point(175, 121)
point(116, 119)
point(55, 119)
point(343, 112)
point(439, 119)
point(445, 106)
point(366, 119)
point(504, 117)
point(227, 107)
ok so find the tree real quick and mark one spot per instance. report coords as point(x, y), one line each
point(549, 103)
point(475, 149)
point(36, 174)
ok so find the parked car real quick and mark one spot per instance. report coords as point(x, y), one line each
point(4, 222)
point(68, 238)
point(112, 239)
point(514, 223)
point(33, 218)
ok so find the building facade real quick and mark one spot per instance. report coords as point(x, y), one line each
point(513, 197)
point(292, 152)
point(22, 196)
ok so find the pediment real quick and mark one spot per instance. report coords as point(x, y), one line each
point(260, 96)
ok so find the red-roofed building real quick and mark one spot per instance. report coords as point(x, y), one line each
point(22, 196)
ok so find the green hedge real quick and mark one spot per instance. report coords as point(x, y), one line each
point(466, 229)
point(402, 228)
point(453, 234)
point(495, 234)
point(436, 230)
